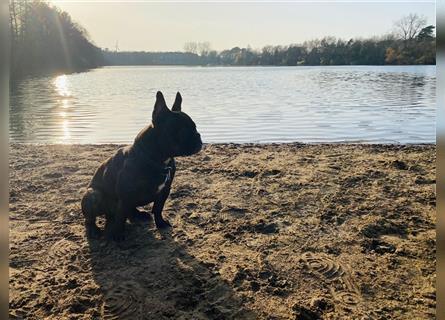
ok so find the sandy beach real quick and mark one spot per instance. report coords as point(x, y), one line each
point(278, 231)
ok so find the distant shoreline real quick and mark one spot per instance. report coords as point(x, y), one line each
point(16, 81)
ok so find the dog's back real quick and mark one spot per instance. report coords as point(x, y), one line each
point(105, 177)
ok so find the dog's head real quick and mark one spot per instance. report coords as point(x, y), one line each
point(176, 130)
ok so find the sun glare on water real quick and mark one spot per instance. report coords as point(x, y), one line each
point(61, 87)
point(66, 130)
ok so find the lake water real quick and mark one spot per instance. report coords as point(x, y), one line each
point(371, 104)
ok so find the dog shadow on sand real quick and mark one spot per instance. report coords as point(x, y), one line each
point(152, 276)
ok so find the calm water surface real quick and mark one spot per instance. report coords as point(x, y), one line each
point(240, 104)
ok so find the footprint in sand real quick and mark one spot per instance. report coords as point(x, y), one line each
point(123, 302)
point(329, 270)
point(61, 252)
point(323, 266)
point(346, 298)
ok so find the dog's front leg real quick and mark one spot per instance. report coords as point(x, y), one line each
point(116, 227)
point(158, 206)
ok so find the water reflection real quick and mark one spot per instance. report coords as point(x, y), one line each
point(66, 130)
point(61, 85)
point(307, 104)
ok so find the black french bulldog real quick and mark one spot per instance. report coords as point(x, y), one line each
point(141, 173)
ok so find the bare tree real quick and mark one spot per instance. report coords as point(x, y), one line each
point(204, 48)
point(191, 47)
point(13, 19)
point(18, 15)
point(201, 48)
point(408, 27)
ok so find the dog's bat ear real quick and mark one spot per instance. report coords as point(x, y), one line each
point(160, 106)
point(178, 102)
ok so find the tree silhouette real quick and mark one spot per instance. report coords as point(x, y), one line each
point(426, 33)
point(44, 39)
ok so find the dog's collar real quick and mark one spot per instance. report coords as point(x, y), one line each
point(164, 167)
point(168, 175)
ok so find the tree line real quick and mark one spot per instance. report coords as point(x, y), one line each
point(45, 40)
point(151, 58)
point(327, 51)
point(412, 42)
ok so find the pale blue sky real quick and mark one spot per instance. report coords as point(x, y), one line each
point(167, 26)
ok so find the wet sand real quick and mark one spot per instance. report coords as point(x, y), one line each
point(283, 231)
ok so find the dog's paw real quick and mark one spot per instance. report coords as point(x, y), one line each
point(163, 224)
